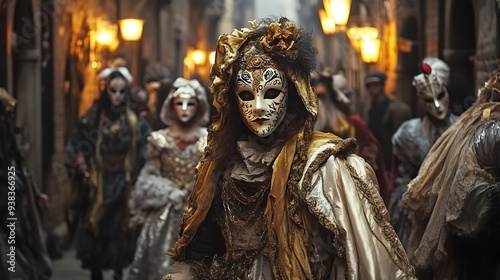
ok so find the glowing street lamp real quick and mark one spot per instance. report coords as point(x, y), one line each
point(199, 57)
point(327, 23)
point(131, 29)
point(338, 10)
point(357, 34)
point(106, 33)
point(370, 49)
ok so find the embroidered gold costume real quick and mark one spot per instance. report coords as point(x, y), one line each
point(292, 204)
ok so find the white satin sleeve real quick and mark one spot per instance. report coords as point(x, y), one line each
point(343, 193)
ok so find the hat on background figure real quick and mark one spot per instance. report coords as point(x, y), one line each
point(375, 78)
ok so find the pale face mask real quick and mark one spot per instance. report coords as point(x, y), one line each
point(262, 96)
point(116, 90)
point(432, 92)
point(185, 107)
point(437, 105)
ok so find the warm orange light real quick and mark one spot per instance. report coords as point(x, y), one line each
point(131, 29)
point(327, 9)
point(327, 23)
point(211, 57)
point(189, 67)
point(356, 34)
point(106, 33)
point(199, 57)
point(370, 49)
point(114, 45)
point(338, 10)
point(354, 37)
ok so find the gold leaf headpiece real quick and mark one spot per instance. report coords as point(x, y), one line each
point(491, 90)
point(278, 43)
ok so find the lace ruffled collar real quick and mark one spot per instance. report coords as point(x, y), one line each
point(257, 161)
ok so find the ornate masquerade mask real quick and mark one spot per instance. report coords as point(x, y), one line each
point(432, 92)
point(116, 89)
point(187, 100)
point(290, 49)
point(185, 103)
point(262, 92)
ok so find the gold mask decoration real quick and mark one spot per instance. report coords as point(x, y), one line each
point(261, 92)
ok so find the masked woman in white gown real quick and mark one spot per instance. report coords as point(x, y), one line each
point(161, 192)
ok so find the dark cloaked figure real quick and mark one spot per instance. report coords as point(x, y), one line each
point(105, 155)
point(454, 202)
point(385, 115)
point(22, 247)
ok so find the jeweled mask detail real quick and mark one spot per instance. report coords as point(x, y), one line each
point(261, 92)
point(432, 92)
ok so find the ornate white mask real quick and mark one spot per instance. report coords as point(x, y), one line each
point(185, 106)
point(262, 96)
point(432, 92)
point(116, 90)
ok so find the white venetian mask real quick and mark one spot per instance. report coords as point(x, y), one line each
point(262, 96)
point(432, 92)
point(185, 107)
point(116, 90)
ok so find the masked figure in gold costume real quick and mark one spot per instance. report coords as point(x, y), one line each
point(272, 198)
point(161, 192)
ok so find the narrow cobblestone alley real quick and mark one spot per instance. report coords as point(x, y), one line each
point(68, 268)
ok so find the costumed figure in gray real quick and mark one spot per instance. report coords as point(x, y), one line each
point(454, 202)
point(413, 140)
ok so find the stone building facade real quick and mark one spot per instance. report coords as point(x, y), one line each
point(464, 33)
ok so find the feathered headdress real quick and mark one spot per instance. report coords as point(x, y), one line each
point(429, 81)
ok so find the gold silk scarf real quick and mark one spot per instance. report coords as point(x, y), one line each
point(291, 252)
